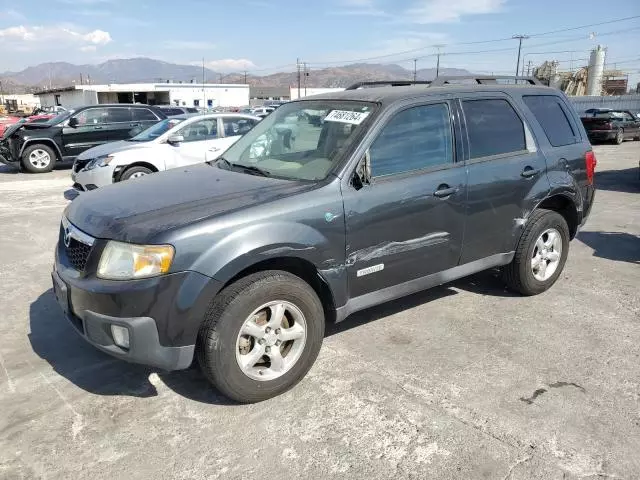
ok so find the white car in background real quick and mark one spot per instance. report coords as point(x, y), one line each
point(170, 143)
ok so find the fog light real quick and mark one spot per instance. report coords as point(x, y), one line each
point(120, 335)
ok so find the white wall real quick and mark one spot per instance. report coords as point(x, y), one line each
point(25, 99)
point(311, 91)
point(232, 95)
point(70, 99)
point(220, 95)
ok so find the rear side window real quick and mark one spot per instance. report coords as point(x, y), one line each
point(416, 138)
point(493, 127)
point(143, 114)
point(552, 118)
point(118, 115)
point(172, 111)
point(191, 110)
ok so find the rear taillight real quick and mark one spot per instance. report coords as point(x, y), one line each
point(590, 164)
point(608, 126)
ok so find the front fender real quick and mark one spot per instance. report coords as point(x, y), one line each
point(244, 247)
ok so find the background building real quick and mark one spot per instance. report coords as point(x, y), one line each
point(307, 92)
point(181, 94)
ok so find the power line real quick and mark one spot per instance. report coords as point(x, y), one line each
point(585, 26)
point(582, 37)
point(473, 43)
point(477, 42)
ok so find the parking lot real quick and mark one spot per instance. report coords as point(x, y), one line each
point(464, 381)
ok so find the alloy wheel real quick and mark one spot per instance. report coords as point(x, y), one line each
point(271, 340)
point(547, 253)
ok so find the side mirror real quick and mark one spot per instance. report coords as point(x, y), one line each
point(362, 175)
point(73, 122)
point(175, 139)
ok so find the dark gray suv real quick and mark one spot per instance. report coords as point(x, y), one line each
point(240, 262)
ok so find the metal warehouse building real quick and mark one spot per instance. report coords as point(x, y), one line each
point(181, 94)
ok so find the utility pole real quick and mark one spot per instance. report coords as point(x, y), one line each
point(298, 67)
point(519, 38)
point(204, 91)
point(245, 77)
point(438, 60)
point(528, 67)
point(306, 74)
point(415, 71)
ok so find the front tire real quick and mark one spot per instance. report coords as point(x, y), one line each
point(261, 335)
point(135, 172)
point(540, 255)
point(38, 158)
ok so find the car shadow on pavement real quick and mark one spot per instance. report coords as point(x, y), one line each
point(9, 169)
point(626, 181)
point(488, 282)
point(617, 246)
point(388, 308)
point(55, 340)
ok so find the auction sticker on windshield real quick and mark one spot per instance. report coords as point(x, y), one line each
point(345, 116)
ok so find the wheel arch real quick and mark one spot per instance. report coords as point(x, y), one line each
point(299, 267)
point(564, 205)
point(118, 172)
point(45, 141)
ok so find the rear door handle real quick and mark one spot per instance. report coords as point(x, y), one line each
point(98, 127)
point(529, 172)
point(444, 191)
point(134, 124)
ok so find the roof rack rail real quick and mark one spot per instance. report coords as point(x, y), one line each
point(483, 79)
point(391, 83)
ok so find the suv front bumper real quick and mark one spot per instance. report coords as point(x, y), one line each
point(162, 314)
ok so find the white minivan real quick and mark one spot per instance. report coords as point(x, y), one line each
point(173, 142)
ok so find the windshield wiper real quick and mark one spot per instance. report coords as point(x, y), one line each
point(254, 169)
point(248, 168)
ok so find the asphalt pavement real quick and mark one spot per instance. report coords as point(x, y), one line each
point(463, 381)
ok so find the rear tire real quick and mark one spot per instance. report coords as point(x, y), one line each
point(521, 275)
point(619, 137)
point(240, 305)
point(38, 158)
point(135, 172)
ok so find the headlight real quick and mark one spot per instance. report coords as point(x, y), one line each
point(99, 162)
point(125, 261)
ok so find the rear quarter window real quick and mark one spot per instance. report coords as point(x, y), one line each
point(143, 114)
point(493, 128)
point(553, 119)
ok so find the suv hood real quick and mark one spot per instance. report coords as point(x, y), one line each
point(112, 147)
point(137, 210)
point(36, 125)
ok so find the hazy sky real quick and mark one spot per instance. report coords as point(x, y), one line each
point(263, 36)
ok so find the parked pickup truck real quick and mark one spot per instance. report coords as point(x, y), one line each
point(605, 124)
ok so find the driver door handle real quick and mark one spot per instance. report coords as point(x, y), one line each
point(444, 191)
point(97, 127)
point(529, 172)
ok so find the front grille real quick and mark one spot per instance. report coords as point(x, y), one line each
point(80, 164)
point(77, 253)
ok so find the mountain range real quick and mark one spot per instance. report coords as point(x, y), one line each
point(132, 70)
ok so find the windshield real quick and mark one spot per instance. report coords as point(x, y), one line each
point(156, 130)
point(59, 118)
point(300, 140)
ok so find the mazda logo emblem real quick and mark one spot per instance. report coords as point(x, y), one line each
point(67, 237)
